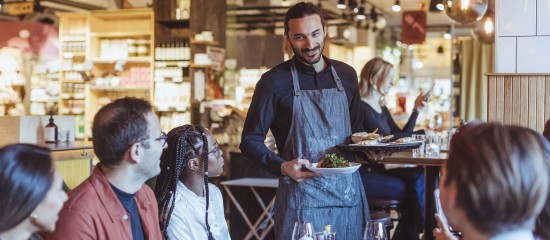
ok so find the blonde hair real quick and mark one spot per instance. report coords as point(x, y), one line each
point(501, 175)
point(374, 75)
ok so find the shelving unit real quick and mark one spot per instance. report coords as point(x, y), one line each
point(73, 36)
point(115, 62)
point(44, 88)
point(120, 48)
point(176, 77)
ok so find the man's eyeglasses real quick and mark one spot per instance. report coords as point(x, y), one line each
point(162, 139)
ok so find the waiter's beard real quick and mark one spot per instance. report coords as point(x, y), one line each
point(303, 54)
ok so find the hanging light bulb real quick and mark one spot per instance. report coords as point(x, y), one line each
point(447, 35)
point(341, 4)
point(484, 29)
point(381, 22)
point(465, 11)
point(352, 4)
point(361, 13)
point(396, 6)
point(373, 14)
point(440, 6)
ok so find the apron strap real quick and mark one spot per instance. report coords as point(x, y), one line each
point(336, 78)
point(295, 82)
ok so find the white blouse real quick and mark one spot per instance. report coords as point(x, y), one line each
point(188, 218)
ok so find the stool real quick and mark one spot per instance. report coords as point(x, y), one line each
point(386, 205)
point(386, 219)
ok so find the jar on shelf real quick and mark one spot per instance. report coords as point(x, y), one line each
point(143, 48)
point(132, 47)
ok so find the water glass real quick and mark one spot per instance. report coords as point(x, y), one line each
point(419, 152)
point(303, 231)
point(433, 145)
point(375, 230)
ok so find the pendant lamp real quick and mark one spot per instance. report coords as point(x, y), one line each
point(465, 11)
point(484, 29)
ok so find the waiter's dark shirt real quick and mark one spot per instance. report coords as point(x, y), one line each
point(272, 104)
point(384, 122)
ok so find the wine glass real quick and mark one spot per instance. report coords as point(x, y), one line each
point(375, 230)
point(303, 231)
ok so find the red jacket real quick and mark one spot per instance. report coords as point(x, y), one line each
point(93, 211)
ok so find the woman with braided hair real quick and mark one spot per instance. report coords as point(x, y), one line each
point(189, 206)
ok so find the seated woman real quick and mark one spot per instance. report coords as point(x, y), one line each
point(405, 184)
point(31, 191)
point(542, 231)
point(543, 221)
point(189, 206)
point(499, 182)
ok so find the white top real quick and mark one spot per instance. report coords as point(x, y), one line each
point(515, 235)
point(188, 218)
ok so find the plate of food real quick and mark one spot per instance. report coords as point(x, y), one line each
point(365, 144)
point(333, 164)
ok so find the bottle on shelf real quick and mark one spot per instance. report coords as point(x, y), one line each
point(50, 130)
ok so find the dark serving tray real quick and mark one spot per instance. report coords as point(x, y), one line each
point(387, 147)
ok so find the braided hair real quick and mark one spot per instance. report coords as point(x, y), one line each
point(184, 143)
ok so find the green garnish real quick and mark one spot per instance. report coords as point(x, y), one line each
point(337, 161)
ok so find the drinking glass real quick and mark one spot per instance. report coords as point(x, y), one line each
point(303, 231)
point(419, 152)
point(433, 144)
point(375, 230)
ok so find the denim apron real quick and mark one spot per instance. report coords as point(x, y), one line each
point(320, 121)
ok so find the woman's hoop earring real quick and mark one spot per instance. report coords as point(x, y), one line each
point(34, 216)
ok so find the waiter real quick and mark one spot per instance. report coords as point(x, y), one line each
point(311, 104)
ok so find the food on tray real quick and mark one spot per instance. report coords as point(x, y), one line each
point(360, 136)
point(368, 143)
point(386, 138)
point(333, 161)
point(405, 140)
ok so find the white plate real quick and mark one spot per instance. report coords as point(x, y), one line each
point(344, 170)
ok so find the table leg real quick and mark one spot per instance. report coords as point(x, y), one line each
point(241, 211)
point(265, 213)
point(431, 176)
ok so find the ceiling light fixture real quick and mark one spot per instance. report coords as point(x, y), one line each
point(381, 22)
point(352, 4)
point(465, 11)
point(373, 14)
point(447, 35)
point(396, 6)
point(361, 13)
point(341, 4)
point(440, 6)
point(484, 29)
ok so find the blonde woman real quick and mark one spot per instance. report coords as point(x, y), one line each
point(405, 184)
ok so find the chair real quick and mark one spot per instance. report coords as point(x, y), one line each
point(385, 217)
point(385, 206)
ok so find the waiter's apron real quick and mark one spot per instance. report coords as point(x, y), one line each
point(320, 121)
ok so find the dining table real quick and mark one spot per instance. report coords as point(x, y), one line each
point(432, 165)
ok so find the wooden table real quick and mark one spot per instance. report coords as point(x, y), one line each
point(431, 176)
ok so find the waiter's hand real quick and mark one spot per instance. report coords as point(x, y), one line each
point(293, 169)
point(375, 156)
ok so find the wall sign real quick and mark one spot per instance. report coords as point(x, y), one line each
point(18, 8)
point(413, 27)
